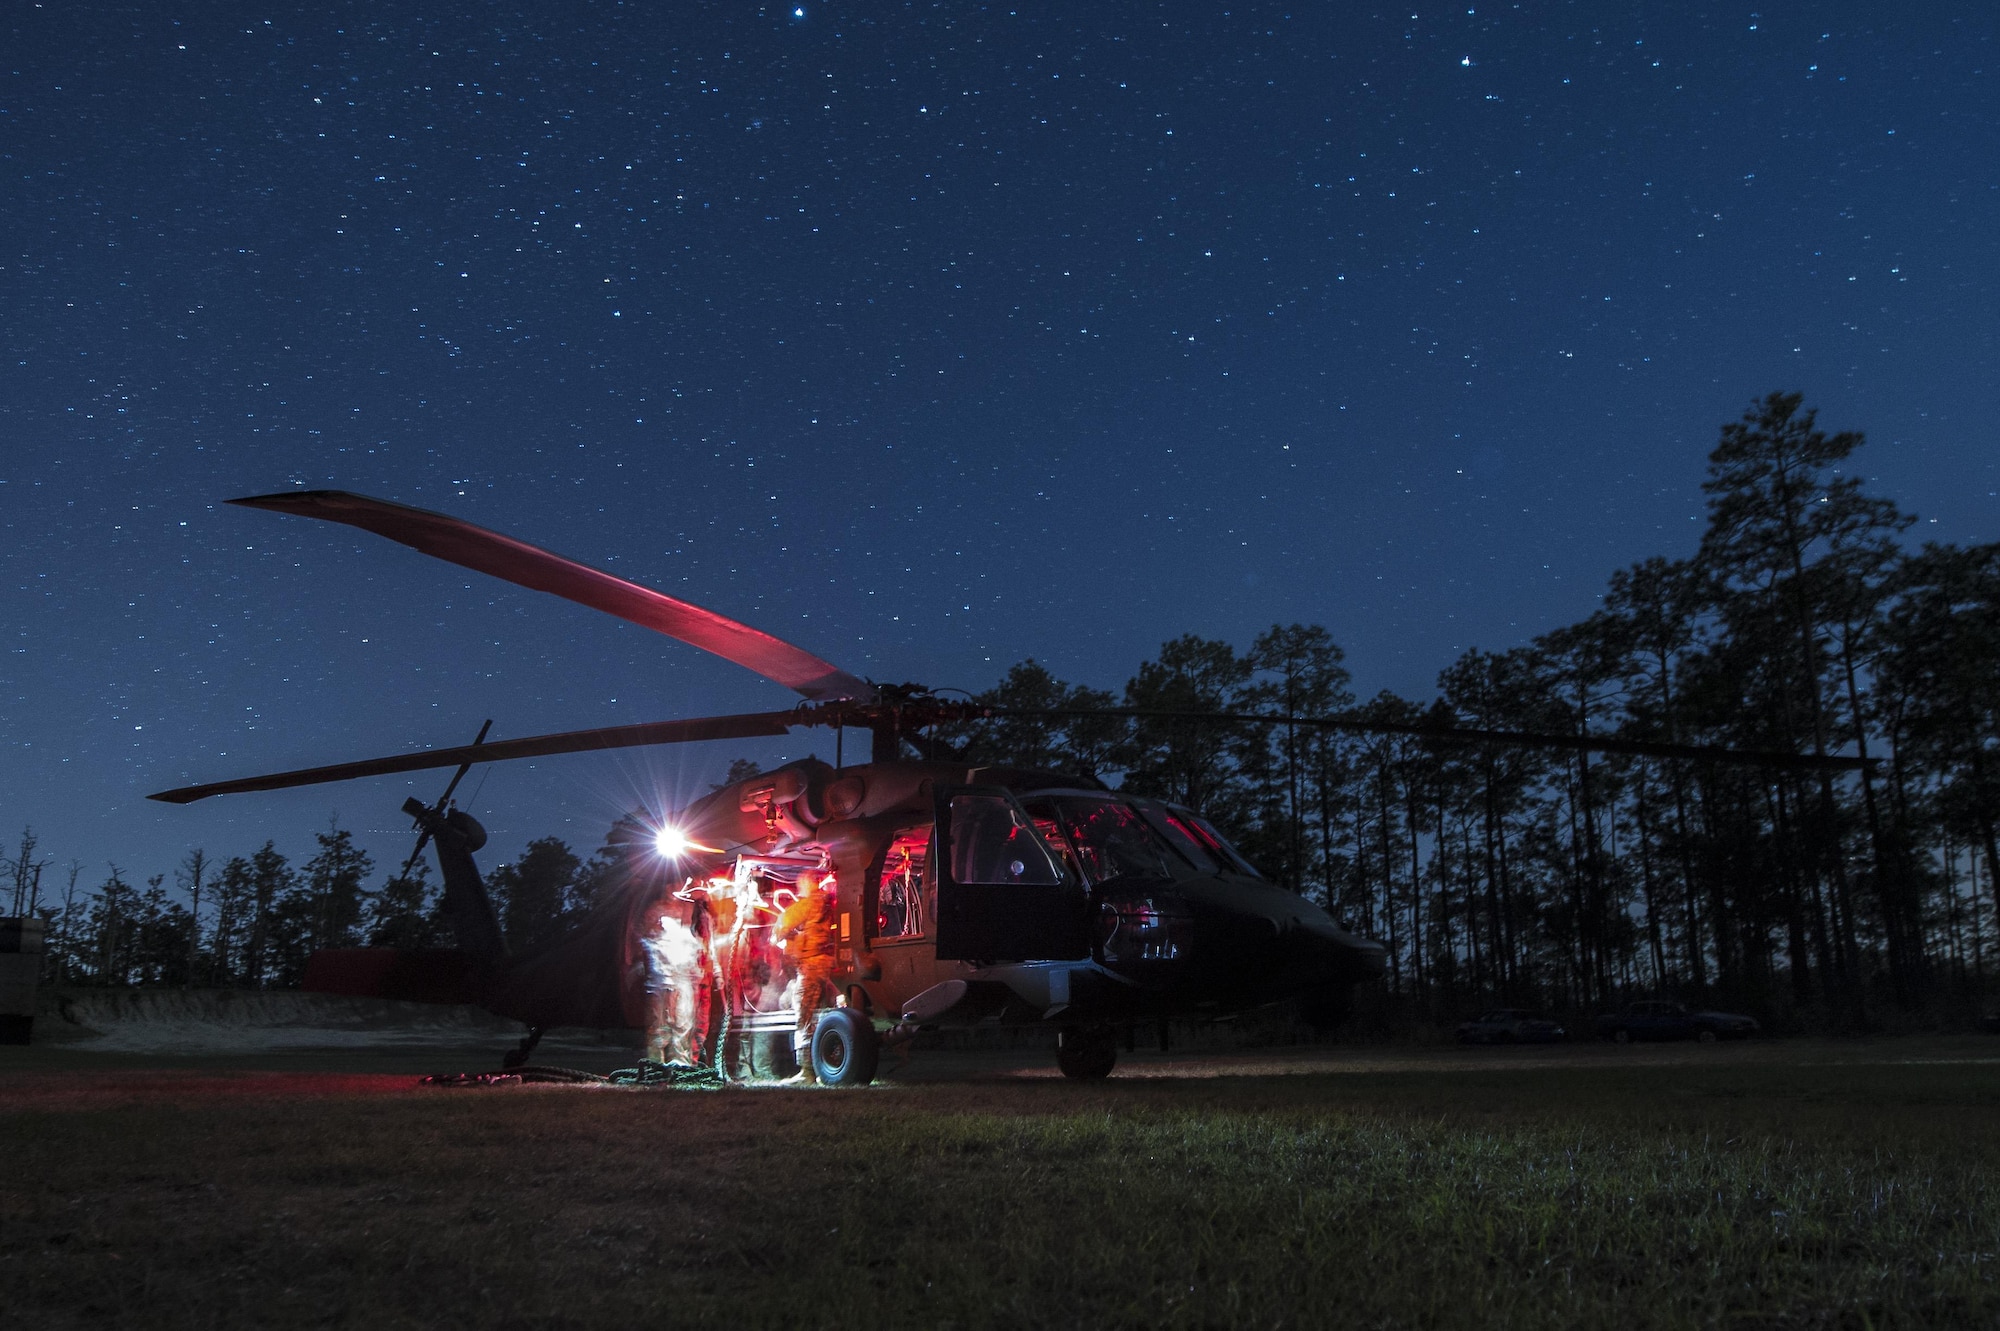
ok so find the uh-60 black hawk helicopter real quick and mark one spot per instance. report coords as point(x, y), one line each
point(963, 894)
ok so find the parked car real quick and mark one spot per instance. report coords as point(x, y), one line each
point(1657, 1019)
point(1510, 1025)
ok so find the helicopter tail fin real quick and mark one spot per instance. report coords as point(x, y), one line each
point(474, 921)
point(428, 975)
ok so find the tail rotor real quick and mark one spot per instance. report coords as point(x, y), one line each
point(428, 817)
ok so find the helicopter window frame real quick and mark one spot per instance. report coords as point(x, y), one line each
point(1048, 825)
point(920, 904)
point(969, 818)
point(1038, 910)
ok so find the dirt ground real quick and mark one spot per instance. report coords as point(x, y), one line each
point(161, 1059)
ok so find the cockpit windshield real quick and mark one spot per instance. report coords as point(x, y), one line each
point(1204, 831)
point(1182, 838)
point(1110, 839)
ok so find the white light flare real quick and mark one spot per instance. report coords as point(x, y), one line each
point(673, 844)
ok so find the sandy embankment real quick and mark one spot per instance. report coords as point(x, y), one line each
point(225, 1021)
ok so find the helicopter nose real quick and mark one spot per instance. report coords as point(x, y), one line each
point(1334, 952)
point(1283, 946)
point(1325, 955)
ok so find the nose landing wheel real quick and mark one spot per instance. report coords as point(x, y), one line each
point(845, 1048)
point(1085, 1055)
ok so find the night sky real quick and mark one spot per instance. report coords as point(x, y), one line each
point(930, 337)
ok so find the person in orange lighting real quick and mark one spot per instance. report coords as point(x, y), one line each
point(806, 930)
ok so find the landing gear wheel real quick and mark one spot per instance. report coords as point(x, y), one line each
point(1085, 1057)
point(845, 1048)
point(1326, 1007)
point(1707, 1037)
point(1622, 1036)
point(518, 1055)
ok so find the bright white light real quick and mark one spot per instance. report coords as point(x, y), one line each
point(800, 12)
point(671, 842)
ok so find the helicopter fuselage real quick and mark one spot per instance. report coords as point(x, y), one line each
point(975, 895)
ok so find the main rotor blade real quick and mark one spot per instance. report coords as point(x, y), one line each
point(1643, 748)
point(459, 542)
point(536, 746)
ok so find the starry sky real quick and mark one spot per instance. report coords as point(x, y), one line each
point(928, 336)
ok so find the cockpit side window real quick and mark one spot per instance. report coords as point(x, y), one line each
point(992, 844)
point(900, 890)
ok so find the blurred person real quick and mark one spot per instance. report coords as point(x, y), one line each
point(679, 984)
point(806, 930)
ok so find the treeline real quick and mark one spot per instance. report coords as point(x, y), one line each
point(251, 921)
point(1802, 624)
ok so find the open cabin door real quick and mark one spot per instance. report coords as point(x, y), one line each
point(1001, 895)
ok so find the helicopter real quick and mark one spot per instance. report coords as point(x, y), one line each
point(955, 894)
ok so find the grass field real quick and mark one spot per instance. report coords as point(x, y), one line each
point(1793, 1184)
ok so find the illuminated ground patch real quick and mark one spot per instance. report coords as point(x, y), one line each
point(1809, 1184)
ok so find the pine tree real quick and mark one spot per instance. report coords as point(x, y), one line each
point(401, 913)
point(193, 877)
point(1780, 509)
point(1941, 660)
point(333, 883)
point(1188, 761)
point(1079, 744)
point(532, 893)
point(271, 884)
point(1299, 672)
